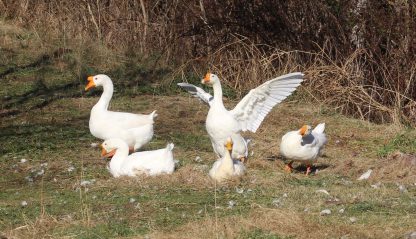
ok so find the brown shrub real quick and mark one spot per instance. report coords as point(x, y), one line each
point(359, 55)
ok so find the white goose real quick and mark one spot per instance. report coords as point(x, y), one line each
point(303, 145)
point(225, 167)
point(150, 163)
point(135, 129)
point(248, 113)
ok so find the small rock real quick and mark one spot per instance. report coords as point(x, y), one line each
point(29, 179)
point(411, 235)
point(337, 141)
point(198, 159)
point(276, 202)
point(322, 191)
point(23, 203)
point(85, 183)
point(325, 212)
point(132, 200)
point(353, 219)
point(23, 160)
point(70, 169)
point(94, 145)
point(40, 172)
point(402, 189)
point(342, 210)
point(231, 204)
point(376, 186)
point(306, 210)
point(365, 175)
point(346, 182)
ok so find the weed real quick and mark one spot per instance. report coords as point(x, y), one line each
point(404, 142)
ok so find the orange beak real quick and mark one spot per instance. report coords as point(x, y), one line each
point(303, 130)
point(206, 78)
point(106, 154)
point(229, 145)
point(90, 84)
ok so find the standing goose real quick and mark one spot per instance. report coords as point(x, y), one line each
point(225, 167)
point(135, 129)
point(150, 163)
point(303, 145)
point(248, 113)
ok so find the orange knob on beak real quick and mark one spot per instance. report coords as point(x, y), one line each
point(206, 78)
point(303, 130)
point(90, 84)
point(229, 145)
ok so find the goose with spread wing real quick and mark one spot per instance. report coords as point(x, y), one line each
point(247, 115)
point(135, 129)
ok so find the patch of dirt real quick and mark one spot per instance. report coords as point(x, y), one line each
point(397, 167)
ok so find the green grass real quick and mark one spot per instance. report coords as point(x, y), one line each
point(185, 204)
point(404, 142)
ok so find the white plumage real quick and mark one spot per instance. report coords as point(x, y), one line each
point(135, 129)
point(150, 163)
point(303, 145)
point(197, 92)
point(225, 167)
point(248, 114)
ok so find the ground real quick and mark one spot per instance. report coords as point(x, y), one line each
point(53, 183)
point(69, 192)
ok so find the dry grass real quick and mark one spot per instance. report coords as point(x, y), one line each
point(280, 223)
point(366, 80)
point(187, 204)
point(182, 204)
point(352, 84)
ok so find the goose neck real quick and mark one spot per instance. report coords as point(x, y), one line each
point(217, 93)
point(119, 157)
point(105, 98)
point(227, 162)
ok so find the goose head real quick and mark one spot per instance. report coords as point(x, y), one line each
point(97, 80)
point(305, 130)
point(110, 146)
point(210, 79)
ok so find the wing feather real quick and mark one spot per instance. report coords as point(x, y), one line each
point(255, 106)
point(197, 92)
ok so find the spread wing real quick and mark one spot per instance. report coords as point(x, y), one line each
point(254, 107)
point(197, 92)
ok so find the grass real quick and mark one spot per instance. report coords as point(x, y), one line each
point(180, 204)
point(47, 161)
point(404, 142)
